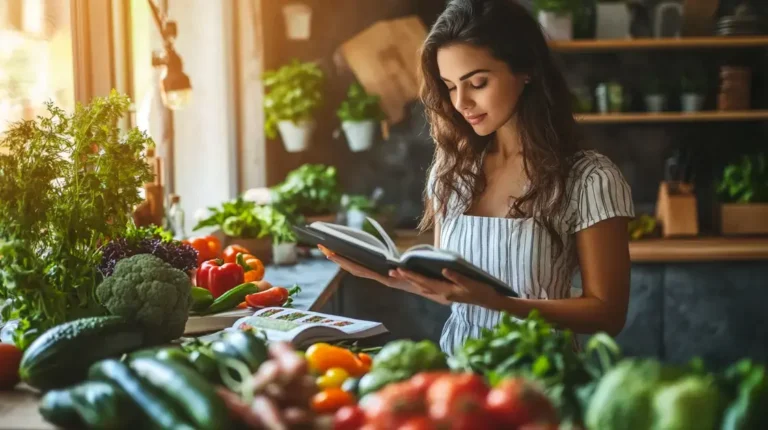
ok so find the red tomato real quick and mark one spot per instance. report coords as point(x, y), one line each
point(230, 253)
point(457, 396)
point(393, 405)
point(10, 358)
point(417, 423)
point(515, 402)
point(206, 248)
point(349, 417)
point(423, 380)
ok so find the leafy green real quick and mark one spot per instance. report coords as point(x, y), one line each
point(294, 93)
point(531, 348)
point(409, 356)
point(745, 182)
point(312, 189)
point(745, 383)
point(690, 403)
point(236, 218)
point(360, 106)
point(68, 183)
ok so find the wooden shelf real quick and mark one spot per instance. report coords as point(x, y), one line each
point(659, 44)
point(698, 249)
point(658, 250)
point(647, 117)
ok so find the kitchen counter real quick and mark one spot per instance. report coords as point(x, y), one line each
point(318, 279)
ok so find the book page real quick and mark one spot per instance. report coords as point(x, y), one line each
point(387, 240)
point(359, 237)
point(290, 319)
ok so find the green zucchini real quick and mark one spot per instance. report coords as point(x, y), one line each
point(232, 298)
point(176, 355)
point(161, 411)
point(189, 390)
point(61, 356)
point(251, 349)
point(201, 299)
point(102, 405)
point(205, 366)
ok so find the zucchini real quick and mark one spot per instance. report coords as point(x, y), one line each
point(232, 298)
point(160, 411)
point(175, 355)
point(205, 366)
point(61, 356)
point(189, 390)
point(251, 349)
point(90, 404)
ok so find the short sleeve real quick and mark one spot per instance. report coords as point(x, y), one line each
point(600, 192)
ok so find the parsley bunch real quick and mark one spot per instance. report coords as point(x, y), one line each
point(68, 183)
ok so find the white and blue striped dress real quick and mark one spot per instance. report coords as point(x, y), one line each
point(521, 253)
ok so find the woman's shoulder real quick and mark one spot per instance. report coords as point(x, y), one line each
point(585, 162)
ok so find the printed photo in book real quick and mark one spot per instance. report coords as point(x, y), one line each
point(382, 255)
point(303, 328)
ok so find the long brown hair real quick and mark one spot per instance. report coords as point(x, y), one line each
point(549, 133)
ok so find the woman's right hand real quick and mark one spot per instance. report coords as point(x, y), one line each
point(390, 281)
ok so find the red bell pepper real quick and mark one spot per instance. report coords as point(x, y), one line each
point(219, 277)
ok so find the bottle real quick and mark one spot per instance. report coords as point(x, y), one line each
point(176, 218)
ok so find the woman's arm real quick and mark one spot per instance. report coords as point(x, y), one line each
point(603, 252)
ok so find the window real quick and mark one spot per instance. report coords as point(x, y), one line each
point(36, 58)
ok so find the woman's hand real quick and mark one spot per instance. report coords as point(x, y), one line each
point(391, 281)
point(460, 289)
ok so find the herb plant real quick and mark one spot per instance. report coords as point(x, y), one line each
point(360, 106)
point(312, 189)
point(746, 181)
point(68, 183)
point(294, 93)
point(236, 218)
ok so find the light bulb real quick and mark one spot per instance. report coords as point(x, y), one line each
point(178, 99)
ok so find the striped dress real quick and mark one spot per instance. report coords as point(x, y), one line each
point(520, 253)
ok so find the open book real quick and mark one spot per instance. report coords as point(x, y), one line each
point(363, 248)
point(303, 328)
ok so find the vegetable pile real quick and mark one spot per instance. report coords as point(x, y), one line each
point(148, 240)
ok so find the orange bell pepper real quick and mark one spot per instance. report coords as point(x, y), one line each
point(330, 400)
point(322, 356)
point(252, 266)
point(230, 253)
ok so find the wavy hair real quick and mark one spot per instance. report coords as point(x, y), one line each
point(548, 132)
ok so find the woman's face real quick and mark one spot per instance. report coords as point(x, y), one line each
point(482, 88)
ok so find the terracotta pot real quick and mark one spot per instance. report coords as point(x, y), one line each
point(259, 248)
point(741, 218)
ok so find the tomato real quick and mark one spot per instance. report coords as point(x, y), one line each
point(204, 249)
point(214, 245)
point(457, 396)
point(394, 405)
point(418, 423)
point(230, 253)
point(10, 359)
point(515, 402)
point(349, 417)
point(274, 296)
point(333, 378)
point(365, 359)
point(330, 400)
point(423, 380)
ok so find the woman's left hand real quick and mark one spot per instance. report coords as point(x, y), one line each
point(460, 289)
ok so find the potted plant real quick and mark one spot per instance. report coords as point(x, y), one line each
point(312, 191)
point(357, 207)
point(743, 192)
point(294, 93)
point(284, 239)
point(693, 86)
point(239, 221)
point(655, 97)
point(359, 114)
point(556, 18)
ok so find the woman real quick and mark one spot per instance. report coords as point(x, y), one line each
point(509, 188)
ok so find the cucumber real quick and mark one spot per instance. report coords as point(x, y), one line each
point(201, 299)
point(101, 405)
point(251, 349)
point(190, 391)
point(175, 355)
point(205, 366)
point(57, 408)
point(61, 356)
point(232, 298)
point(161, 412)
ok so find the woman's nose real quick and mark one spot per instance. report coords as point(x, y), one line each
point(462, 101)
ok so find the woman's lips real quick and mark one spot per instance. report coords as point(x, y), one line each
point(476, 119)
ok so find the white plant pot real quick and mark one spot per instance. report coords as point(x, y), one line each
point(296, 136)
point(656, 102)
point(360, 134)
point(692, 102)
point(557, 26)
point(355, 218)
point(284, 254)
point(298, 21)
point(612, 20)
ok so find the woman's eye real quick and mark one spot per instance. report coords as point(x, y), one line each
point(480, 85)
point(451, 89)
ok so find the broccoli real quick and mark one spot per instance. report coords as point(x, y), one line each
point(147, 289)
